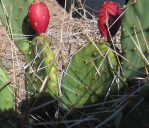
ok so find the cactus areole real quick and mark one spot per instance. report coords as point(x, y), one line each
point(39, 17)
point(108, 14)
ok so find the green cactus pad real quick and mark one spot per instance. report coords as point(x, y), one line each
point(135, 39)
point(13, 15)
point(89, 75)
point(41, 71)
point(6, 96)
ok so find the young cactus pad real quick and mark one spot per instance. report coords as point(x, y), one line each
point(13, 15)
point(6, 96)
point(89, 75)
point(135, 39)
point(41, 68)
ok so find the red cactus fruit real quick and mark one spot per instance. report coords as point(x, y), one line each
point(108, 14)
point(39, 17)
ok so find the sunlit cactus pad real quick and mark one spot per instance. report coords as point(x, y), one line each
point(89, 75)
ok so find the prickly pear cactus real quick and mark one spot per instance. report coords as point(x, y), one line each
point(6, 93)
point(41, 68)
point(89, 76)
point(13, 15)
point(135, 39)
point(135, 46)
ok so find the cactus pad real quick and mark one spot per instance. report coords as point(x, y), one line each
point(135, 39)
point(13, 15)
point(89, 75)
point(41, 70)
